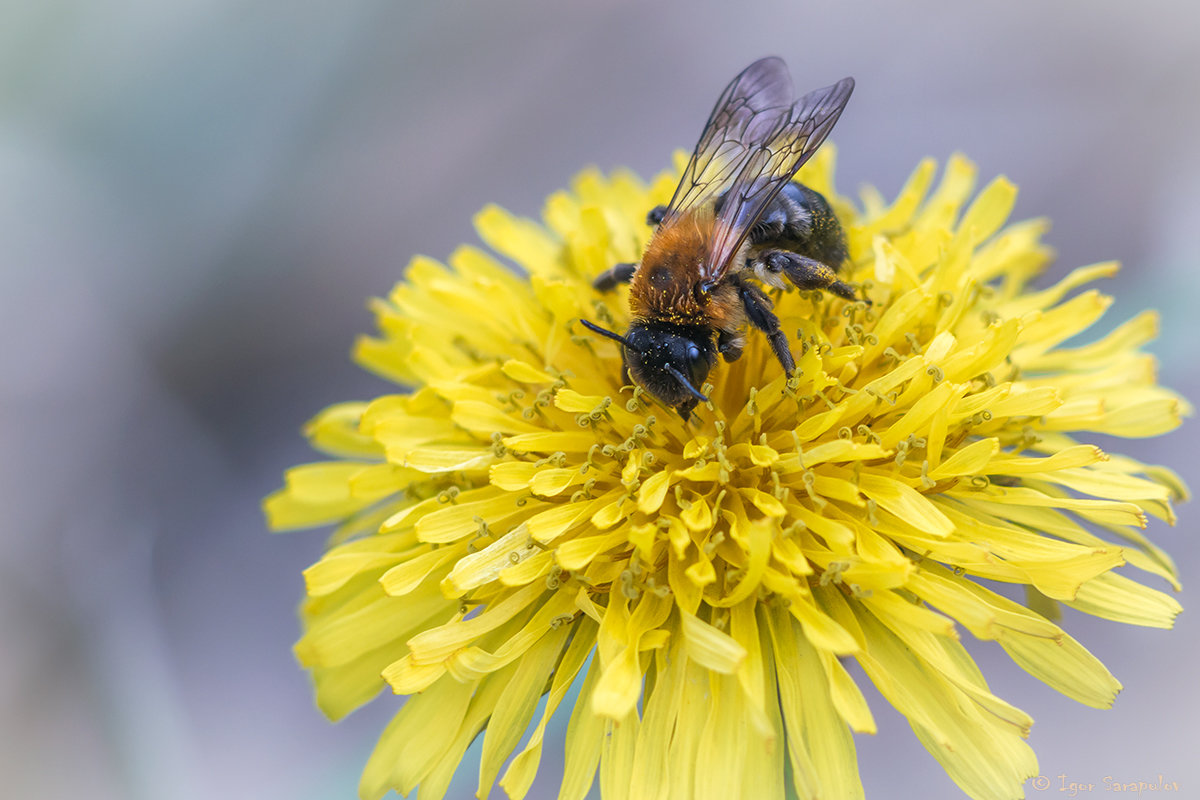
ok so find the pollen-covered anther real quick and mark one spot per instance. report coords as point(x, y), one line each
point(926, 481)
point(561, 620)
point(777, 487)
point(752, 402)
point(557, 459)
point(867, 432)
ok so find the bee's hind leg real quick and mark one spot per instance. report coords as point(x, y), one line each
point(806, 273)
point(758, 311)
point(607, 281)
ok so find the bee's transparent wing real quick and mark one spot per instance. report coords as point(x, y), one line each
point(750, 110)
point(769, 159)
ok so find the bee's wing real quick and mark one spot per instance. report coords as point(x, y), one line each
point(753, 105)
point(752, 159)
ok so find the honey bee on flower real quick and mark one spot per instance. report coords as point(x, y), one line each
point(736, 216)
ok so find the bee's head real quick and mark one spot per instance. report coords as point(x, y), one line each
point(669, 361)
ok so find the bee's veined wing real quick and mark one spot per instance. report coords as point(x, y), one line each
point(750, 110)
point(767, 163)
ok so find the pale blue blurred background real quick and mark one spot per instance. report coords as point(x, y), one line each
point(197, 197)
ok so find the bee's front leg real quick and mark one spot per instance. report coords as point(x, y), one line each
point(607, 281)
point(656, 215)
point(759, 312)
point(730, 345)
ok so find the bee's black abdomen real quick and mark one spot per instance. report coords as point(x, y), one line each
point(814, 231)
point(801, 220)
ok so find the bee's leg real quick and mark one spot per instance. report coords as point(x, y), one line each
point(730, 345)
point(758, 311)
point(656, 215)
point(805, 272)
point(685, 408)
point(607, 281)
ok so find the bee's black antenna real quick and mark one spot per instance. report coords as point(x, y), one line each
point(591, 326)
point(679, 376)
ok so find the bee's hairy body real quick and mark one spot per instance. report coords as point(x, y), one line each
point(801, 221)
point(668, 290)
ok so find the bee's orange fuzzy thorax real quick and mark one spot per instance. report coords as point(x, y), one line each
point(666, 283)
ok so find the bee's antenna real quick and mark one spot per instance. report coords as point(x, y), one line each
point(679, 376)
point(591, 326)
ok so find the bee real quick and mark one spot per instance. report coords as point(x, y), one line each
point(737, 221)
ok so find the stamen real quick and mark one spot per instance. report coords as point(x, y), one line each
point(561, 620)
point(926, 481)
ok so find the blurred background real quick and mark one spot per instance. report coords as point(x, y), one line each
point(197, 198)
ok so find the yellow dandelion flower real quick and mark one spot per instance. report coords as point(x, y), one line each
point(514, 521)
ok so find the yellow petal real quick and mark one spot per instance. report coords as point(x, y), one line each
point(898, 613)
point(483, 566)
point(821, 748)
point(617, 755)
point(520, 773)
point(402, 756)
point(339, 638)
point(523, 372)
point(403, 578)
point(520, 239)
point(710, 647)
point(516, 705)
point(846, 696)
point(335, 569)
point(985, 613)
point(906, 503)
point(653, 491)
point(435, 644)
point(968, 460)
point(985, 756)
point(1118, 598)
point(1064, 665)
point(722, 749)
point(585, 734)
point(653, 768)
point(550, 442)
point(483, 704)
point(546, 526)
point(444, 459)
point(335, 431)
point(822, 630)
point(512, 476)
point(465, 516)
point(406, 676)
point(575, 403)
point(479, 417)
